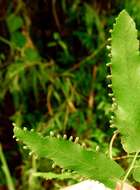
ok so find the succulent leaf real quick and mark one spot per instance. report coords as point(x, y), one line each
point(125, 72)
point(68, 155)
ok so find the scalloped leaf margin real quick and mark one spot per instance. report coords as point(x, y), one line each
point(125, 75)
point(68, 155)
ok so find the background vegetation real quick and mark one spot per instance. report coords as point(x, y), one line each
point(53, 78)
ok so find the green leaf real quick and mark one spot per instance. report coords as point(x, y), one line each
point(14, 23)
point(14, 69)
point(136, 171)
point(72, 156)
point(18, 39)
point(89, 18)
point(125, 71)
point(31, 54)
point(86, 39)
point(136, 174)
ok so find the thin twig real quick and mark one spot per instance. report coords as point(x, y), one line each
point(111, 144)
point(6, 171)
point(122, 157)
point(129, 170)
point(7, 42)
point(89, 57)
point(55, 15)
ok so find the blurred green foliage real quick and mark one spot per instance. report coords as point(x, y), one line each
point(53, 73)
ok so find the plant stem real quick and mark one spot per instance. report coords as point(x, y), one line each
point(89, 57)
point(4, 40)
point(129, 170)
point(34, 163)
point(6, 171)
point(111, 144)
